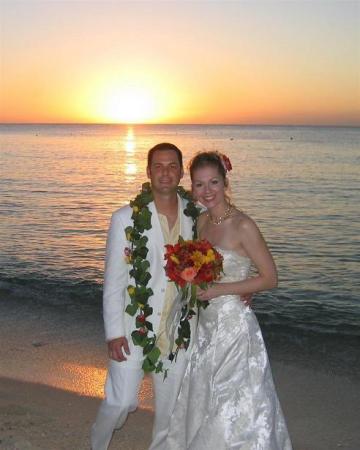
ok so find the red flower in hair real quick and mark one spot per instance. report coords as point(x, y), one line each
point(225, 161)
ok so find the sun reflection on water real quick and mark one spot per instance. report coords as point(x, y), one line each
point(130, 166)
point(130, 143)
point(131, 169)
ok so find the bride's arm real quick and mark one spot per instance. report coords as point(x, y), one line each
point(255, 247)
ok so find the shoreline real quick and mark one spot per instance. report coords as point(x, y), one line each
point(321, 410)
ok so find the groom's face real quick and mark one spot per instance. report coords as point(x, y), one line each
point(165, 171)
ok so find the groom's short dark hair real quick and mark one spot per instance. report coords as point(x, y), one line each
point(164, 146)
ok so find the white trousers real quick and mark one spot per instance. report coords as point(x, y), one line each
point(121, 397)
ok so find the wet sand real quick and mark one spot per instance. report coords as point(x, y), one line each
point(322, 413)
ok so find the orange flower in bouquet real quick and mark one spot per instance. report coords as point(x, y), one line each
point(190, 264)
point(195, 262)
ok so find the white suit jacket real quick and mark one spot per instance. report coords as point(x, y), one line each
point(117, 278)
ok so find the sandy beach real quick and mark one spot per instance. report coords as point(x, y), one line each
point(39, 417)
point(53, 365)
point(322, 412)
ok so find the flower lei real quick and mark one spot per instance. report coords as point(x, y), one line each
point(136, 256)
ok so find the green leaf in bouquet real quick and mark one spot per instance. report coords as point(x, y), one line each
point(159, 368)
point(185, 329)
point(203, 304)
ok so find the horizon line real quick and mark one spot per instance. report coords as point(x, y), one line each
point(188, 124)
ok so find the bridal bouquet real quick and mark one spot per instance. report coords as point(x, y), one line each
point(189, 264)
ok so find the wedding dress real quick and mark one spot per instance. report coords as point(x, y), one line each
point(227, 399)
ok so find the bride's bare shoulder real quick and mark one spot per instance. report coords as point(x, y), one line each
point(242, 220)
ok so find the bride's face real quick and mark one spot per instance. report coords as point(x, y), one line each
point(208, 186)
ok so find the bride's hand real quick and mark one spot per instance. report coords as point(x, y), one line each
point(205, 295)
point(216, 290)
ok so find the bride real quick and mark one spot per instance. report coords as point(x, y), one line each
point(227, 398)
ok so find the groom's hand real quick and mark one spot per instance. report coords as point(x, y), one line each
point(117, 348)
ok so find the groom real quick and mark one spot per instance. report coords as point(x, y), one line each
point(165, 170)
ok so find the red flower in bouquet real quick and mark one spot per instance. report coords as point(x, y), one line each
point(196, 262)
point(190, 264)
point(189, 274)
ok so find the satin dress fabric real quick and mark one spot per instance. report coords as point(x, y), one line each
point(228, 400)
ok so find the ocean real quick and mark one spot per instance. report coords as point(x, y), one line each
point(60, 183)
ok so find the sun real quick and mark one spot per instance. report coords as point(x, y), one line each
point(129, 105)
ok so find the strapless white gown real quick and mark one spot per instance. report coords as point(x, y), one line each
point(227, 399)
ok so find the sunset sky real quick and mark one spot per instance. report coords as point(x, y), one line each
point(244, 62)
